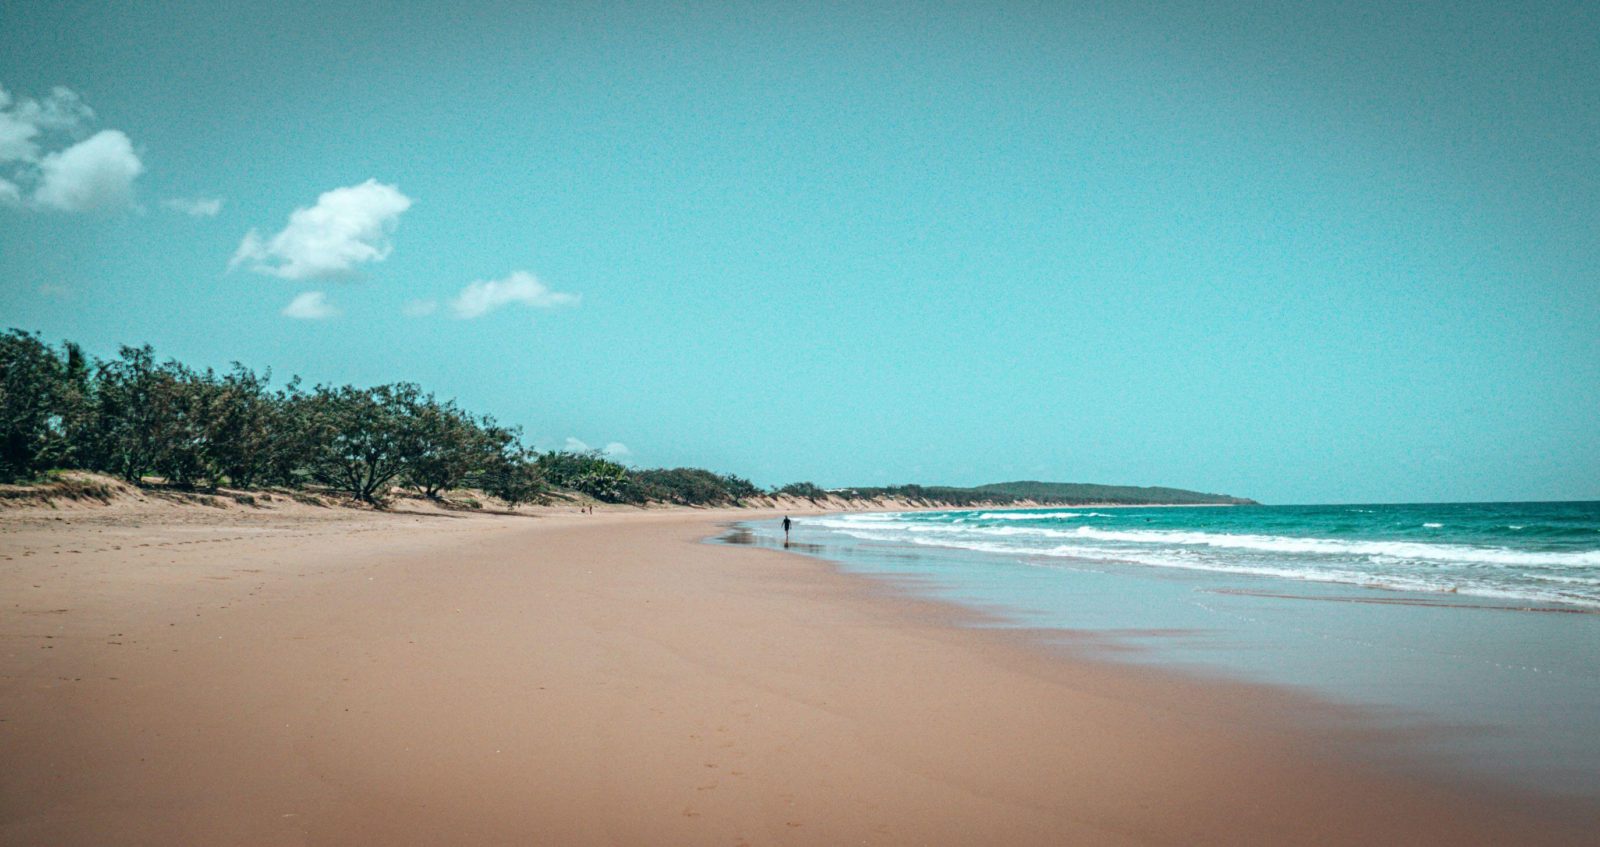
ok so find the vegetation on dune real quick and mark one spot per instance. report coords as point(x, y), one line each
point(692, 487)
point(136, 417)
point(804, 490)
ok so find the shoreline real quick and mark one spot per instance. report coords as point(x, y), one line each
point(1398, 675)
point(612, 679)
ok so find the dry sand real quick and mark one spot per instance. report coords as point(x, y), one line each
point(194, 676)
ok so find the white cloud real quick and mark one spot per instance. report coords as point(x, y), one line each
point(23, 121)
point(420, 308)
point(62, 111)
point(196, 207)
point(77, 174)
point(521, 287)
point(310, 306)
point(96, 173)
point(16, 135)
point(347, 227)
point(573, 445)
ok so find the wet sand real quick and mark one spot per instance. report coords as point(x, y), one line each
point(347, 678)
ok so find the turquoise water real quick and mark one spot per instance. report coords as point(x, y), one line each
point(1516, 552)
point(1479, 623)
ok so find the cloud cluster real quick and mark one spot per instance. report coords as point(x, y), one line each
point(47, 163)
point(521, 288)
point(51, 158)
point(346, 228)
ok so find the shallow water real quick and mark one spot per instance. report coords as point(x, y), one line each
point(1479, 622)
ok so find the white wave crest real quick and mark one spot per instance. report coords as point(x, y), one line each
point(1033, 516)
point(1387, 550)
point(1456, 584)
point(1412, 550)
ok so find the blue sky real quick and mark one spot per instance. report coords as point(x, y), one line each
point(1299, 254)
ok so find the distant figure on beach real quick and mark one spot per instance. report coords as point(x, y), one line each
point(786, 524)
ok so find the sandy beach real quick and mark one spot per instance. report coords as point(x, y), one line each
point(206, 676)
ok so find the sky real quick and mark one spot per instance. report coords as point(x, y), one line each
point(1339, 252)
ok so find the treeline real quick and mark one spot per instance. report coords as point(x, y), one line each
point(137, 418)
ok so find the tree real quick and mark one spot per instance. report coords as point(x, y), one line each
point(364, 437)
point(294, 436)
point(31, 391)
point(74, 405)
point(184, 408)
point(123, 434)
point(514, 476)
point(241, 417)
point(451, 445)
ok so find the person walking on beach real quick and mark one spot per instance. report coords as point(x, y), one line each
point(786, 524)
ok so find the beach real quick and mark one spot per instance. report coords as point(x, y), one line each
point(209, 676)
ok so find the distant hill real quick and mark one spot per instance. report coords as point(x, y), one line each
point(1084, 492)
point(1021, 493)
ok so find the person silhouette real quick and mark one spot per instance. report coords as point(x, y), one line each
point(786, 524)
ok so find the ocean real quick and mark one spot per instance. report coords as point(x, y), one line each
point(1476, 625)
point(1517, 553)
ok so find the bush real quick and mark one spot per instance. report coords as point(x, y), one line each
point(514, 476)
point(806, 490)
point(588, 472)
point(692, 486)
